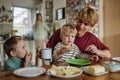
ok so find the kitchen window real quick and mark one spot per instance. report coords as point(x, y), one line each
point(22, 21)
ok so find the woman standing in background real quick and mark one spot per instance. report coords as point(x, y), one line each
point(40, 33)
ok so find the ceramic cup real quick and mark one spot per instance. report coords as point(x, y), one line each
point(46, 53)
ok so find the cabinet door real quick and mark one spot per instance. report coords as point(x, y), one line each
point(112, 26)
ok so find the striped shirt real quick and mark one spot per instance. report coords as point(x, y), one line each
point(74, 53)
point(65, 56)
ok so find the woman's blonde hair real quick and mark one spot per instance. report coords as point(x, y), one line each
point(88, 15)
point(68, 28)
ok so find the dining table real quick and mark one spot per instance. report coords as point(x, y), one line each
point(9, 75)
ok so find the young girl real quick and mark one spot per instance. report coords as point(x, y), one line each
point(17, 53)
point(66, 49)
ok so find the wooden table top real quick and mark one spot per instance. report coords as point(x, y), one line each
point(8, 75)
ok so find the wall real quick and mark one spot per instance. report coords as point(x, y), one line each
point(56, 5)
point(112, 26)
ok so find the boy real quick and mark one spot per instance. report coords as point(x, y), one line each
point(17, 53)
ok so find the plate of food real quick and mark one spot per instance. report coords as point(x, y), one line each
point(29, 71)
point(95, 70)
point(64, 71)
point(79, 62)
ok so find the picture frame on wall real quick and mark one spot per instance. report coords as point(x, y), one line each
point(60, 13)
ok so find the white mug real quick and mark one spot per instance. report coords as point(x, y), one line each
point(46, 53)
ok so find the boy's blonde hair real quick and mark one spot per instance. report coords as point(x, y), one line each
point(68, 28)
point(11, 44)
point(88, 15)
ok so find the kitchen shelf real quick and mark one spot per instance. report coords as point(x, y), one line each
point(6, 21)
point(6, 17)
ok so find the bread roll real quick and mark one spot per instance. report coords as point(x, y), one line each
point(96, 69)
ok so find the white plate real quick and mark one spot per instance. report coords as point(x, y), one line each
point(29, 71)
point(84, 69)
point(116, 58)
point(69, 76)
point(112, 66)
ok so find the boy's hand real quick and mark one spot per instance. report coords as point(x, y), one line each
point(28, 58)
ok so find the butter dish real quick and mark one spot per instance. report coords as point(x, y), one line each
point(87, 71)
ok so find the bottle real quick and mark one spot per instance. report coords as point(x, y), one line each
point(2, 9)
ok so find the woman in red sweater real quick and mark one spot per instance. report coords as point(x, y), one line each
point(87, 42)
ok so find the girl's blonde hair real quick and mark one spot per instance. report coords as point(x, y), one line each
point(68, 28)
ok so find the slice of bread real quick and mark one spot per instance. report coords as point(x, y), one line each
point(95, 69)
